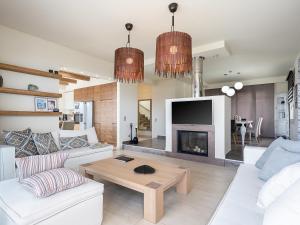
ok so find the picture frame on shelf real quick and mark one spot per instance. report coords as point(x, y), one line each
point(51, 104)
point(40, 104)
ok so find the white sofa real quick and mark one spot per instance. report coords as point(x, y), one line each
point(238, 206)
point(76, 206)
point(76, 156)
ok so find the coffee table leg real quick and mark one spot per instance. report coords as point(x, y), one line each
point(184, 186)
point(153, 204)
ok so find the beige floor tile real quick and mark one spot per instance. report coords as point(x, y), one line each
point(209, 183)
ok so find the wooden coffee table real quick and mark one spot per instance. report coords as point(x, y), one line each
point(151, 185)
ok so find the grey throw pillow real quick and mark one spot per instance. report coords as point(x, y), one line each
point(262, 160)
point(45, 143)
point(22, 141)
point(278, 159)
point(73, 142)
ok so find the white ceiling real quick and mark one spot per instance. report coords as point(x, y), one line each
point(263, 36)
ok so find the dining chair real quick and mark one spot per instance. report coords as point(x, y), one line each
point(234, 131)
point(256, 129)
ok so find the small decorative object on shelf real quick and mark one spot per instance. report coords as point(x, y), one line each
point(55, 110)
point(50, 71)
point(40, 104)
point(144, 169)
point(135, 139)
point(51, 104)
point(1, 81)
point(55, 72)
point(32, 87)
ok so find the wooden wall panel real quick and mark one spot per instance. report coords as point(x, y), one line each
point(105, 109)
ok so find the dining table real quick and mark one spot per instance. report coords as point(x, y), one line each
point(244, 125)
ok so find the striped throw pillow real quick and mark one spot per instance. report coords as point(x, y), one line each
point(28, 166)
point(53, 181)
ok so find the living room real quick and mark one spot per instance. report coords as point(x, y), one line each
point(159, 112)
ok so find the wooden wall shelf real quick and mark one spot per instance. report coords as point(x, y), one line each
point(27, 92)
point(28, 113)
point(30, 71)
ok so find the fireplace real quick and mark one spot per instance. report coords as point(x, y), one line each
point(192, 142)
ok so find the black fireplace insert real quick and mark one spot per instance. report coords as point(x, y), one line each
point(192, 142)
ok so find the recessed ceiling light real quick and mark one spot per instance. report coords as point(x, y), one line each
point(238, 73)
point(225, 74)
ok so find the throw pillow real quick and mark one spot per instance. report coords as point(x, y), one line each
point(28, 166)
point(45, 143)
point(277, 184)
point(53, 181)
point(262, 160)
point(73, 142)
point(90, 132)
point(278, 159)
point(22, 141)
point(286, 209)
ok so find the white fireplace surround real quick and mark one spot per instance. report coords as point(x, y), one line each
point(221, 120)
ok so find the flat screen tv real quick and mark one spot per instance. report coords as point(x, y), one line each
point(192, 112)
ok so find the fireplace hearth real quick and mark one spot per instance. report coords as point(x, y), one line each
point(192, 142)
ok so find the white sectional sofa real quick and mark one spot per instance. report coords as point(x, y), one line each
point(76, 157)
point(76, 206)
point(238, 206)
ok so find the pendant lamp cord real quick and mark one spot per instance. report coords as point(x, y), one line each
point(128, 40)
point(173, 22)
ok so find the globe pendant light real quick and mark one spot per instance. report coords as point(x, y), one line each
point(129, 62)
point(173, 51)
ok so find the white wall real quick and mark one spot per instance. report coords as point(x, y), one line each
point(127, 111)
point(21, 49)
point(162, 90)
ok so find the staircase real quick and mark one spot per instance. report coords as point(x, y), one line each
point(144, 122)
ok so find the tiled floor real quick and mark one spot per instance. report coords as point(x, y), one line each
point(236, 152)
point(209, 183)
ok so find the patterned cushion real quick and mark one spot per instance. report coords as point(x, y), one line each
point(22, 141)
point(31, 165)
point(73, 142)
point(53, 181)
point(45, 143)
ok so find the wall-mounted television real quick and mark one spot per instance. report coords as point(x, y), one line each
point(192, 112)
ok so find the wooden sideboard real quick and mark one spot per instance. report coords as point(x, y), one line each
point(104, 97)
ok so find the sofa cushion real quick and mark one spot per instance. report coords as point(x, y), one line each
point(285, 209)
point(22, 141)
point(90, 132)
point(277, 184)
point(53, 181)
point(28, 166)
point(262, 160)
point(239, 202)
point(278, 159)
point(24, 208)
point(78, 152)
point(73, 142)
point(45, 143)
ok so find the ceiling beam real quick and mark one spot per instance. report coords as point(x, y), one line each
point(214, 49)
point(68, 80)
point(75, 76)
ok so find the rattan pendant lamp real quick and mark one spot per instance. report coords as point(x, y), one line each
point(173, 51)
point(129, 62)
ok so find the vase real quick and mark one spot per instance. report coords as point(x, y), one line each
point(1, 81)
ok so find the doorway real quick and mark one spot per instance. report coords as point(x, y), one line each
point(145, 119)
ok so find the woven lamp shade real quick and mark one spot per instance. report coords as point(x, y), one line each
point(173, 54)
point(129, 65)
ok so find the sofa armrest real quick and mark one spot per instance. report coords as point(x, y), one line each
point(252, 154)
point(7, 162)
